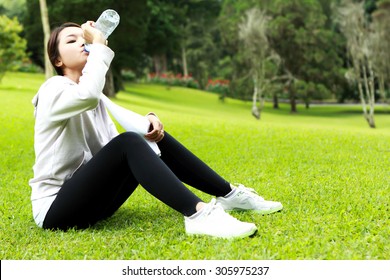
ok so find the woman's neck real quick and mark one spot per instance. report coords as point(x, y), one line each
point(73, 75)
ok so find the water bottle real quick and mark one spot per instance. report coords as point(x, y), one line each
point(106, 23)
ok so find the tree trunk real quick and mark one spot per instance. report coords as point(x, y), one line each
point(275, 100)
point(109, 88)
point(118, 80)
point(164, 63)
point(255, 109)
point(46, 31)
point(370, 94)
point(261, 100)
point(160, 63)
point(364, 105)
point(293, 101)
point(307, 103)
point(156, 64)
point(184, 61)
point(362, 99)
point(382, 89)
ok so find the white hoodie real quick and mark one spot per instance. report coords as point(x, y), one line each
point(71, 126)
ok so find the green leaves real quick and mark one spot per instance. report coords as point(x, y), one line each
point(12, 46)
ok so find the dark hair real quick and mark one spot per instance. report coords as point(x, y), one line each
point(52, 45)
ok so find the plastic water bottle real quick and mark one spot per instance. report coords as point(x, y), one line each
point(106, 23)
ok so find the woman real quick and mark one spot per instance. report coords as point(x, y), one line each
point(85, 170)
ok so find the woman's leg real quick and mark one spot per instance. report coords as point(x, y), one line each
point(110, 177)
point(196, 173)
point(190, 169)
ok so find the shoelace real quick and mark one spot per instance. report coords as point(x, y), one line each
point(218, 210)
point(250, 192)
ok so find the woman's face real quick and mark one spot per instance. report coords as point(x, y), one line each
point(71, 49)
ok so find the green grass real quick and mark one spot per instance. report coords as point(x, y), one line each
point(324, 164)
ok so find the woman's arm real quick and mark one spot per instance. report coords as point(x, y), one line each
point(64, 98)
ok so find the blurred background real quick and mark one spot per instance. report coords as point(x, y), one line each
point(308, 51)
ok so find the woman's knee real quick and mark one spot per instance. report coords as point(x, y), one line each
point(129, 136)
point(131, 143)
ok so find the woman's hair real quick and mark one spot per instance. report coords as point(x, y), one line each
point(52, 45)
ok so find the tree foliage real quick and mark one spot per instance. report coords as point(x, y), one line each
point(253, 33)
point(201, 39)
point(379, 44)
point(356, 27)
point(13, 8)
point(128, 40)
point(300, 34)
point(12, 46)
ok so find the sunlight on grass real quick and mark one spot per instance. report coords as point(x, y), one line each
point(324, 164)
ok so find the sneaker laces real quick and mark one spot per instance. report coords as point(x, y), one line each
point(250, 192)
point(213, 208)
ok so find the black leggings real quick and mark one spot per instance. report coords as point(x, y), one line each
point(102, 185)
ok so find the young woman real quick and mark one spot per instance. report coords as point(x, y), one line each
point(85, 170)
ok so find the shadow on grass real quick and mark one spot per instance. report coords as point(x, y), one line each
point(137, 218)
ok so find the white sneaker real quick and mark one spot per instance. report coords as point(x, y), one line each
point(214, 221)
point(242, 198)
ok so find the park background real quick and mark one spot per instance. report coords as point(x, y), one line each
point(288, 97)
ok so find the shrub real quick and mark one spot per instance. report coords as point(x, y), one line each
point(28, 66)
point(12, 46)
point(218, 86)
point(171, 79)
point(128, 75)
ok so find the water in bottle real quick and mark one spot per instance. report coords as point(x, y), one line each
point(106, 23)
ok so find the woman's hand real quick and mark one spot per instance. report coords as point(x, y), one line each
point(156, 132)
point(91, 34)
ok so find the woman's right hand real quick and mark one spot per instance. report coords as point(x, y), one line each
point(156, 133)
point(91, 34)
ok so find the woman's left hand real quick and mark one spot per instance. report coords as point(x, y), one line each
point(156, 132)
point(91, 34)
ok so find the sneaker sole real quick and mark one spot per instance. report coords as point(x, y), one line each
point(244, 235)
point(262, 212)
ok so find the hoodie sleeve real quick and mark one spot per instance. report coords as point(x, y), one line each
point(60, 98)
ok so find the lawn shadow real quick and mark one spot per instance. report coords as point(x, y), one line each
point(138, 218)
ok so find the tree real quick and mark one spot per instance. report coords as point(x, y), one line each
point(308, 48)
point(33, 33)
point(128, 40)
point(13, 8)
point(46, 31)
point(253, 33)
point(12, 46)
point(303, 36)
point(162, 37)
point(379, 44)
point(198, 38)
point(182, 37)
point(233, 63)
point(355, 27)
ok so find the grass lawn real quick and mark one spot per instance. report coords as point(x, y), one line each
point(327, 167)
